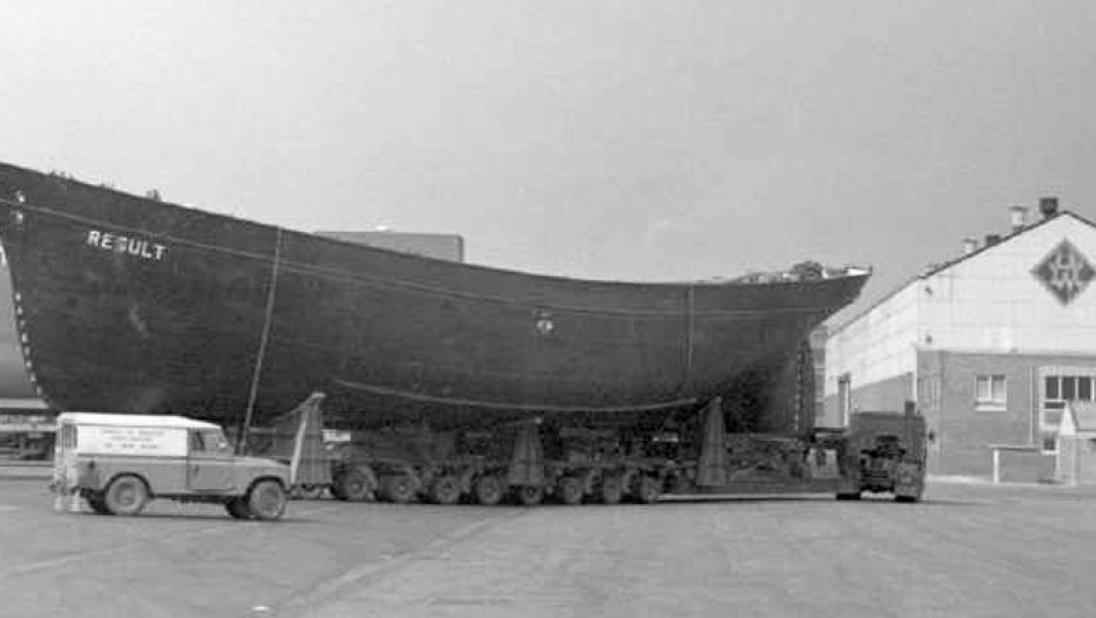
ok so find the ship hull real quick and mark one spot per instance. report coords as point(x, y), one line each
point(131, 305)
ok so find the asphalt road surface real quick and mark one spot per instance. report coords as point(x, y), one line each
point(968, 550)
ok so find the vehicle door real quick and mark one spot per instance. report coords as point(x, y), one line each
point(210, 461)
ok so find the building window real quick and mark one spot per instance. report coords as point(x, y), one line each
point(991, 393)
point(1059, 388)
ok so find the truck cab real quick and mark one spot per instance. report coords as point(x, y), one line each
point(119, 462)
point(883, 452)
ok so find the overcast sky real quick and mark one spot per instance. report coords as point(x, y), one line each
point(646, 140)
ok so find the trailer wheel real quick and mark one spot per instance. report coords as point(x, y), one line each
point(612, 489)
point(266, 500)
point(488, 490)
point(237, 508)
point(399, 488)
point(649, 490)
point(570, 490)
point(311, 492)
point(446, 489)
point(352, 486)
point(126, 495)
point(531, 495)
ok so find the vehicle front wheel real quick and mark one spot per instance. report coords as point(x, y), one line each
point(237, 507)
point(126, 495)
point(266, 500)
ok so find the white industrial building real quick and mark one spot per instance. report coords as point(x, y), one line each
point(989, 346)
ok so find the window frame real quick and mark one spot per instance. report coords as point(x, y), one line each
point(995, 395)
point(1058, 380)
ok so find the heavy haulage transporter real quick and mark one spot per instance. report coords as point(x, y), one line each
point(457, 381)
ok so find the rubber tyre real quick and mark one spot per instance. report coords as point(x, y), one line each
point(238, 508)
point(612, 490)
point(855, 496)
point(488, 490)
point(399, 489)
point(446, 490)
point(266, 500)
point(569, 490)
point(127, 495)
point(907, 499)
point(312, 492)
point(352, 487)
point(648, 490)
point(531, 495)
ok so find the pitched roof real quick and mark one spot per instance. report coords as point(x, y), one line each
point(935, 268)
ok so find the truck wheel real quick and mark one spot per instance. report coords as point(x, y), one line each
point(612, 490)
point(446, 490)
point(848, 496)
point(399, 488)
point(352, 486)
point(570, 490)
point(237, 508)
point(126, 495)
point(266, 500)
point(531, 495)
point(649, 490)
point(488, 490)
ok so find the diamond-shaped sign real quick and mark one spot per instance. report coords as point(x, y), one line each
point(1065, 272)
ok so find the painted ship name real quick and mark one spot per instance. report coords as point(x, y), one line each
point(117, 243)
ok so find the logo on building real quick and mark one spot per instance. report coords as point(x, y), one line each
point(1065, 272)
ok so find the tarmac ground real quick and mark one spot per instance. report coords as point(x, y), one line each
point(967, 550)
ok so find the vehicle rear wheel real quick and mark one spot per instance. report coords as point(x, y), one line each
point(237, 508)
point(531, 495)
point(612, 490)
point(570, 490)
point(488, 490)
point(909, 498)
point(649, 490)
point(126, 495)
point(446, 489)
point(848, 496)
point(266, 500)
point(399, 488)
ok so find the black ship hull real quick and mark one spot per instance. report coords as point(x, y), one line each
point(128, 304)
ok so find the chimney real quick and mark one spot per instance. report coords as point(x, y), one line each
point(1048, 206)
point(1018, 218)
point(992, 239)
point(970, 245)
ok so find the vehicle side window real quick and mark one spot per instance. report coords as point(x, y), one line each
point(197, 445)
point(210, 441)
